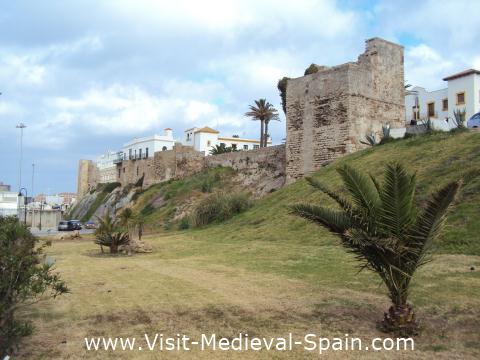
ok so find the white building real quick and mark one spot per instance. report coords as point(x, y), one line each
point(106, 166)
point(142, 148)
point(462, 93)
point(205, 139)
point(8, 203)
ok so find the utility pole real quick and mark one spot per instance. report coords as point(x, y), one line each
point(33, 179)
point(20, 126)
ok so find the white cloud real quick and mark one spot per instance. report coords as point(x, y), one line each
point(426, 67)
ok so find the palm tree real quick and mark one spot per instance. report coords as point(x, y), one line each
point(264, 112)
point(108, 234)
point(384, 230)
point(126, 218)
point(139, 221)
point(221, 149)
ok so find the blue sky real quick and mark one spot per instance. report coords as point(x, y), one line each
point(86, 76)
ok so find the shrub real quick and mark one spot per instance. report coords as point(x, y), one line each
point(184, 223)
point(109, 234)
point(219, 207)
point(207, 186)
point(24, 279)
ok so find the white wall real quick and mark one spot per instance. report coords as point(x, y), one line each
point(462, 84)
point(152, 143)
point(425, 97)
point(204, 141)
point(8, 203)
point(241, 143)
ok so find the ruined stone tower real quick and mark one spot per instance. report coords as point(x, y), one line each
point(330, 111)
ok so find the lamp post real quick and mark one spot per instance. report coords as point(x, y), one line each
point(20, 126)
point(20, 195)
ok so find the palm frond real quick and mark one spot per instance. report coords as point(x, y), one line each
point(429, 223)
point(361, 189)
point(397, 194)
point(334, 220)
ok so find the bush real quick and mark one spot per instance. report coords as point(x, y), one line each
point(219, 207)
point(184, 223)
point(206, 186)
point(25, 278)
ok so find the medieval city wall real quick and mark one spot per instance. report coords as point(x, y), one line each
point(330, 112)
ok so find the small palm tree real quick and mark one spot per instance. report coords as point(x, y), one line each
point(262, 111)
point(384, 230)
point(108, 234)
point(139, 221)
point(126, 218)
point(221, 149)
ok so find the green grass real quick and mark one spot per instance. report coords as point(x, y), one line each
point(171, 195)
point(268, 273)
point(437, 159)
point(104, 190)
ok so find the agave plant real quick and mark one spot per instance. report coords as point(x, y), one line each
point(384, 230)
point(459, 118)
point(371, 139)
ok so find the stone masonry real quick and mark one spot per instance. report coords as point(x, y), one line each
point(328, 114)
point(330, 111)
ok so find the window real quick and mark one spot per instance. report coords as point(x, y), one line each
point(245, 147)
point(140, 153)
point(445, 105)
point(256, 146)
point(164, 148)
point(223, 144)
point(130, 154)
point(234, 146)
point(431, 109)
point(416, 113)
point(124, 170)
point(460, 98)
point(135, 154)
point(119, 172)
point(209, 143)
point(137, 170)
point(146, 152)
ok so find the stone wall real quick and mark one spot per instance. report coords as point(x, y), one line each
point(330, 111)
point(261, 170)
point(87, 177)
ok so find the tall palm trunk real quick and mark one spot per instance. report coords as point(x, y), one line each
point(262, 132)
point(265, 136)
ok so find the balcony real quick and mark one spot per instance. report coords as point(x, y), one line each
point(118, 158)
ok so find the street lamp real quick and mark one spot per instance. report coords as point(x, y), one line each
point(20, 126)
point(24, 203)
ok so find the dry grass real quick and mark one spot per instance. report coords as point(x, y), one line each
point(180, 289)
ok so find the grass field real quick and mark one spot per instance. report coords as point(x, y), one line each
point(268, 273)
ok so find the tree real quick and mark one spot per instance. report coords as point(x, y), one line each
point(221, 149)
point(126, 218)
point(139, 222)
point(312, 69)
point(109, 234)
point(282, 88)
point(384, 230)
point(25, 278)
point(262, 111)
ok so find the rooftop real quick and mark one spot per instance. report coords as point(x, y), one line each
point(462, 74)
point(207, 129)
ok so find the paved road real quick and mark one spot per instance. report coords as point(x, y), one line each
point(51, 232)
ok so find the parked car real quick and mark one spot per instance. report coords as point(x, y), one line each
point(65, 225)
point(474, 121)
point(76, 224)
point(90, 225)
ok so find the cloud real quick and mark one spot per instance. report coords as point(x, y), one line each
point(425, 65)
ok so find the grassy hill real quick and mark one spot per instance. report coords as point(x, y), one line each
point(266, 272)
point(437, 159)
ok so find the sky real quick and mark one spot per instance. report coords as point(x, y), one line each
point(86, 76)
